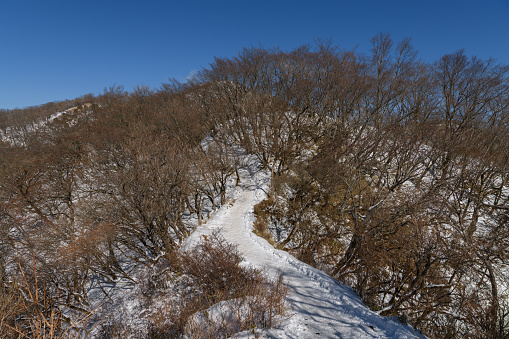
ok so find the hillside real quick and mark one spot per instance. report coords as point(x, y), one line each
point(319, 306)
point(352, 195)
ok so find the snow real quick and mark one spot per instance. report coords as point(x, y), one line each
point(320, 306)
point(15, 136)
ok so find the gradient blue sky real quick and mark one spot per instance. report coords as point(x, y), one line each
point(54, 50)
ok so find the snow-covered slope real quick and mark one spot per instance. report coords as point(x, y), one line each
point(321, 307)
point(16, 135)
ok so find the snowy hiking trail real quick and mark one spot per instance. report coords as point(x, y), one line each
point(320, 306)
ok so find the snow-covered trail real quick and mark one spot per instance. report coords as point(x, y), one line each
point(321, 307)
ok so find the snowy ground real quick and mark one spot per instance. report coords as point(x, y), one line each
point(15, 136)
point(320, 306)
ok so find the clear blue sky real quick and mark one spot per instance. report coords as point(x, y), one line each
point(54, 50)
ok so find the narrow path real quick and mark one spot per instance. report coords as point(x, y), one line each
point(322, 307)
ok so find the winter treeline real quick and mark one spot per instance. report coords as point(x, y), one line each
point(387, 172)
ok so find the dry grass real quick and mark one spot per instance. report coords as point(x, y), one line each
point(261, 306)
point(261, 224)
point(222, 297)
point(27, 310)
point(204, 292)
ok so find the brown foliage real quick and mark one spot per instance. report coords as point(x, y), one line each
point(217, 296)
point(30, 310)
point(388, 172)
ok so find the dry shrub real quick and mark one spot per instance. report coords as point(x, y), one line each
point(262, 306)
point(269, 220)
point(261, 229)
point(11, 305)
point(153, 281)
point(222, 297)
point(28, 309)
point(113, 329)
point(215, 268)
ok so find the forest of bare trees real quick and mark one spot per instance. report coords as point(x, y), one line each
point(388, 173)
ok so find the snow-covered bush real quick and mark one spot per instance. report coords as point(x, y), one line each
point(206, 293)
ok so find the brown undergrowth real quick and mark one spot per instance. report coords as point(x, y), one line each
point(28, 310)
point(207, 293)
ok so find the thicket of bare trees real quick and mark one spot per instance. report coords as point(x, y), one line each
point(387, 172)
point(88, 195)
